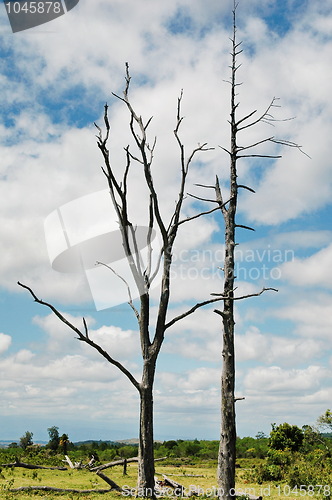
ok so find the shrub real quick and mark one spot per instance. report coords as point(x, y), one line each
point(286, 436)
point(266, 472)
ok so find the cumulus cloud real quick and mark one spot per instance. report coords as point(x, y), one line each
point(269, 349)
point(312, 318)
point(275, 380)
point(311, 271)
point(5, 341)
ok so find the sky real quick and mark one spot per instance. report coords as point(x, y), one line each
point(55, 79)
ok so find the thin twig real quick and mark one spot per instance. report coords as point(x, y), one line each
point(130, 302)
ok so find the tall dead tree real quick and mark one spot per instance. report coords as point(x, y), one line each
point(151, 336)
point(227, 452)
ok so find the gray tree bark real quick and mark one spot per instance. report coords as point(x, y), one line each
point(146, 469)
point(227, 447)
point(227, 452)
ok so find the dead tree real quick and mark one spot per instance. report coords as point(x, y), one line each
point(151, 336)
point(227, 454)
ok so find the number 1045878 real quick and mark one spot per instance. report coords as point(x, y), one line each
point(305, 490)
point(32, 7)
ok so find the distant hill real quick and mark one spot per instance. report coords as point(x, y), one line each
point(131, 441)
point(5, 444)
point(89, 441)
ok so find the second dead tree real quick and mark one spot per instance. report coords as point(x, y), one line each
point(227, 447)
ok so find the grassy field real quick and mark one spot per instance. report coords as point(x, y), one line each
point(202, 478)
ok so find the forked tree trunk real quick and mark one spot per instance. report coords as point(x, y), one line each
point(143, 272)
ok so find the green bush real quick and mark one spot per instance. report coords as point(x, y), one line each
point(266, 472)
point(279, 457)
point(313, 469)
point(286, 436)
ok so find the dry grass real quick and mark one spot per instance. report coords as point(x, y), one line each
point(202, 478)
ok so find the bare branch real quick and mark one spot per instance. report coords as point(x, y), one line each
point(290, 144)
point(265, 116)
point(130, 302)
point(220, 198)
point(245, 227)
point(84, 337)
point(204, 186)
point(246, 117)
point(246, 187)
point(147, 272)
point(244, 296)
point(224, 149)
point(86, 328)
point(191, 310)
point(242, 148)
point(259, 156)
point(202, 199)
point(204, 213)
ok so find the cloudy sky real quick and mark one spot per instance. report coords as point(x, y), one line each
point(54, 80)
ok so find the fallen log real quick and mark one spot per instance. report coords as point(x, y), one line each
point(109, 481)
point(112, 464)
point(178, 488)
point(31, 466)
point(76, 465)
point(119, 462)
point(187, 475)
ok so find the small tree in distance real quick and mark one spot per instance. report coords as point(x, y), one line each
point(64, 442)
point(325, 421)
point(26, 440)
point(54, 441)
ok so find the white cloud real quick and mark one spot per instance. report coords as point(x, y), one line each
point(5, 341)
point(312, 271)
point(270, 349)
point(274, 380)
point(121, 343)
point(311, 316)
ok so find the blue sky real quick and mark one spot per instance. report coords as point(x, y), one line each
point(54, 82)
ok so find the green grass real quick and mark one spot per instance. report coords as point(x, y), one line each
point(202, 477)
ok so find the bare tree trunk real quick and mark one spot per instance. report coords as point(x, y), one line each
point(146, 469)
point(227, 450)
